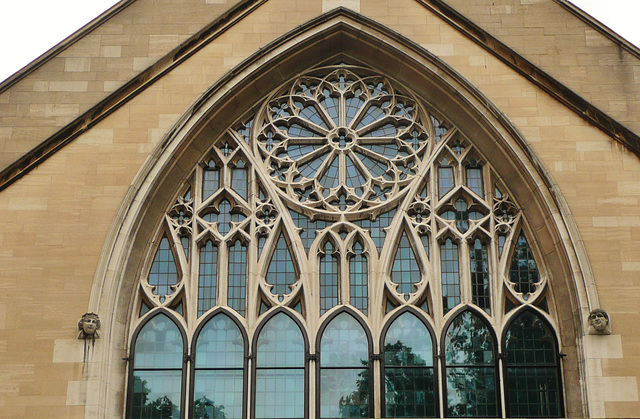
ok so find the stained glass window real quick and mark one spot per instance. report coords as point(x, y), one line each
point(479, 262)
point(163, 272)
point(281, 273)
point(405, 271)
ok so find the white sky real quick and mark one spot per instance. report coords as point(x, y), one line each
point(28, 28)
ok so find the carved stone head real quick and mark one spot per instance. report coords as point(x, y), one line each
point(88, 326)
point(599, 322)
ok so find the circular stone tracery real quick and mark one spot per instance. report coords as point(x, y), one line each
point(343, 140)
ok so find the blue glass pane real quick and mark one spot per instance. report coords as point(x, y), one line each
point(280, 344)
point(159, 344)
point(359, 279)
point(220, 344)
point(408, 343)
point(344, 343)
point(328, 279)
point(218, 394)
point(280, 393)
point(524, 270)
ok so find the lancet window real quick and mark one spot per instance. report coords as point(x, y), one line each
point(344, 251)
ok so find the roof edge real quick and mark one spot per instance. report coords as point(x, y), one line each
point(603, 29)
point(64, 44)
point(534, 74)
point(584, 109)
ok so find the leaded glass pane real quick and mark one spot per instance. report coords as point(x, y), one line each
point(218, 394)
point(237, 277)
point(281, 273)
point(532, 373)
point(524, 270)
point(280, 344)
point(446, 180)
point(345, 393)
point(344, 343)
point(210, 180)
point(208, 277)
point(409, 392)
point(471, 392)
point(280, 369)
point(450, 274)
point(474, 180)
point(279, 393)
point(469, 341)
point(345, 374)
point(240, 179)
point(328, 279)
point(159, 344)
point(405, 271)
point(220, 344)
point(533, 392)
point(479, 262)
point(409, 380)
point(359, 279)
point(408, 343)
point(377, 227)
point(156, 394)
point(218, 382)
point(163, 273)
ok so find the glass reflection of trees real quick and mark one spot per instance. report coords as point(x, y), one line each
point(470, 368)
point(408, 369)
point(533, 384)
point(219, 370)
point(344, 369)
point(157, 370)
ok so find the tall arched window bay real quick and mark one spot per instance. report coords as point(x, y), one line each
point(343, 250)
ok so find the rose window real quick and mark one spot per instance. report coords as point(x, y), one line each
point(343, 142)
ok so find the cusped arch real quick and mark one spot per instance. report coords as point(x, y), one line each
point(342, 36)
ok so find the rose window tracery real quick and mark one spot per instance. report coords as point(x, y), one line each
point(343, 142)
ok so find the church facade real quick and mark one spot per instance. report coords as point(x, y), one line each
point(323, 209)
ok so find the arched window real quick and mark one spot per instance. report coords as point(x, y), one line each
point(219, 370)
point(157, 370)
point(344, 209)
point(532, 369)
point(470, 368)
point(280, 370)
point(345, 373)
point(410, 389)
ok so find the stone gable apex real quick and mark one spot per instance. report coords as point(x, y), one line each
point(60, 104)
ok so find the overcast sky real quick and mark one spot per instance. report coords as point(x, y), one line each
point(29, 28)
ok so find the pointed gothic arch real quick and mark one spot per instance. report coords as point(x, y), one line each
point(342, 36)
